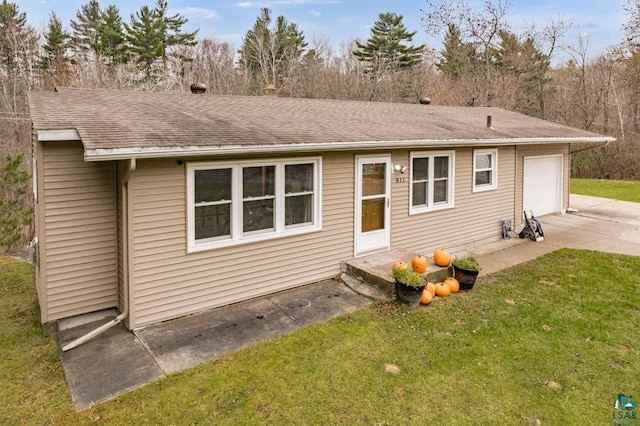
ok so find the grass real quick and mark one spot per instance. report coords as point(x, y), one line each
point(552, 341)
point(625, 190)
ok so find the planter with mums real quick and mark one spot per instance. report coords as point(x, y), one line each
point(409, 286)
point(466, 270)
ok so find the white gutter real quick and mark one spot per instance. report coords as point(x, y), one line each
point(101, 154)
point(58, 135)
point(602, 145)
point(82, 339)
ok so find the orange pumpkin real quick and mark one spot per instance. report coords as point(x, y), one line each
point(431, 288)
point(453, 284)
point(419, 263)
point(441, 257)
point(442, 289)
point(399, 265)
point(426, 297)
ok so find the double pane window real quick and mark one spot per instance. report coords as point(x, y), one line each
point(431, 181)
point(485, 169)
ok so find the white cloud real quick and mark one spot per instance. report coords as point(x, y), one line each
point(248, 4)
point(315, 13)
point(198, 12)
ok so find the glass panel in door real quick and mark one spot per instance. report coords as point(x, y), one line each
point(374, 188)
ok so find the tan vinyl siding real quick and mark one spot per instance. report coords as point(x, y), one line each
point(170, 283)
point(474, 217)
point(541, 150)
point(78, 243)
point(41, 263)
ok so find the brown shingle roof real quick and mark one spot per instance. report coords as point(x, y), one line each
point(109, 122)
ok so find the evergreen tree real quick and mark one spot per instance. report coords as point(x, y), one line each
point(270, 50)
point(19, 53)
point(145, 38)
point(386, 50)
point(14, 33)
point(111, 41)
point(152, 32)
point(56, 43)
point(85, 35)
point(457, 58)
point(523, 69)
point(15, 213)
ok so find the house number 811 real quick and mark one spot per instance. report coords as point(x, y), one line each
point(401, 180)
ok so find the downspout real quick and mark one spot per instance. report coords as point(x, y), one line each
point(118, 319)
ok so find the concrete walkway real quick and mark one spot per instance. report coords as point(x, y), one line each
point(119, 361)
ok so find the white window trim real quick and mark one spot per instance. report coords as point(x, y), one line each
point(494, 170)
point(237, 236)
point(450, 188)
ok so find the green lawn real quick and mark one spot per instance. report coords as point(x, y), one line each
point(625, 190)
point(548, 342)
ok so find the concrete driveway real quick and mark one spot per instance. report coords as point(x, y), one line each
point(591, 223)
point(119, 361)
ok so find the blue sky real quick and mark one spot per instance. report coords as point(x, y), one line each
point(340, 21)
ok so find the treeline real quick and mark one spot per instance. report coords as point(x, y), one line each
point(481, 61)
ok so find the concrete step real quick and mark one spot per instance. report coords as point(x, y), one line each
point(375, 269)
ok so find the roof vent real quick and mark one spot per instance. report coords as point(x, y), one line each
point(198, 88)
point(489, 122)
point(424, 100)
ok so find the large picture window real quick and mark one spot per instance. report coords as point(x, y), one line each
point(431, 181)
point(241, 202)
point(485, 169)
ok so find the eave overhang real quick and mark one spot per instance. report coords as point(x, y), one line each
point(108, 154)
point(58, 135)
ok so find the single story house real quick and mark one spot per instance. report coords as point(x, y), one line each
point(161, 205)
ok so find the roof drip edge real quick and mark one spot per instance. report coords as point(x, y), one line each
point(108, 154)
point(58, 135)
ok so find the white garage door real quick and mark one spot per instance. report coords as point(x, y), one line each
point(542, 188)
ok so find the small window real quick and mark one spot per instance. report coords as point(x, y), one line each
point(234, 203)
point(485, 169)
point(299, 193)
point(431, 181)
point(212, 208)
point(258, 199)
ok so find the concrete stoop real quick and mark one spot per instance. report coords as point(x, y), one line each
point(371, 275)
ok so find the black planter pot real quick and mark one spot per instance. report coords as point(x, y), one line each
point(466, 277)
point(408, 295)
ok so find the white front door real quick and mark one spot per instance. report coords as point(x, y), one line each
point(542, 186)
point(373, 200)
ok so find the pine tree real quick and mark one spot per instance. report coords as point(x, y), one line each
point(19, 56)
point(270, 50)
point(151, 34)
point(85, 36)
point(15, 213)
point(56, 43)
point(385, 51)
point(524, 68)
point(14, 33)
point(111, 38)
point(457, 58)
